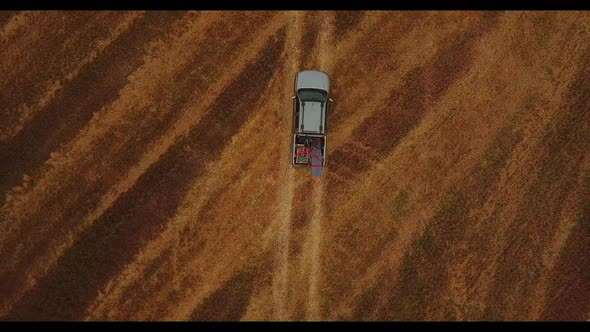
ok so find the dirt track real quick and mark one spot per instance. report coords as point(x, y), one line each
point(144, 170)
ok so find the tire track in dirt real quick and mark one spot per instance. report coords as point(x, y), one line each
point(161, 146)
point(325, 42)
point(308, 39)
point(281, 273)
point(48, 49)
point(70, 103)
point(300, 217)
point(314, 302)
point(301, 214)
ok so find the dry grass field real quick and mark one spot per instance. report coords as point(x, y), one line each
point(145, 173)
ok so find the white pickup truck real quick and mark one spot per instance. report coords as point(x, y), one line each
point(310, 107)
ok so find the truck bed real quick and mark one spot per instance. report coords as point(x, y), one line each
point(309, 150)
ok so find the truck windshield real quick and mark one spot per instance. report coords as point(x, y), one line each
point(312, 95)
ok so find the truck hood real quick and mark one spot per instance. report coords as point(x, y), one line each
point(313, 79)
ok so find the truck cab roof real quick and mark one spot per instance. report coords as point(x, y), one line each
point(313, 114)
